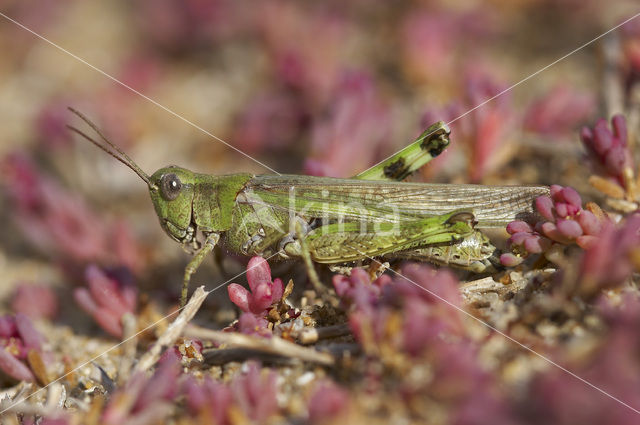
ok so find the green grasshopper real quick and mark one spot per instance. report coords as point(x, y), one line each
point(340, 220)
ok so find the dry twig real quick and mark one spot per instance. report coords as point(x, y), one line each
point(129, 325)
point(173, 332)
point(311, 335)
point(274, 346)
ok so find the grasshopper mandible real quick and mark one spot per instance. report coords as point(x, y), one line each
point(341, 220)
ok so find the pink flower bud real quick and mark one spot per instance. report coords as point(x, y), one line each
point(551, 231)
point(7, 327)
point(510, 260)
point(572, 197)
point(544, 205)
point(14, 367)
point(554, 191)
point(562, 209)
point(615, 159)
point(258, 271)
point(602, 137)
point(519, 238)
point(30, 336)
point(619, 125)
point(589, 222)
point(569, 228)
point(518, 226)
point(277, 289)
point(587, 136)
point(260, 298)
point(239, 296)
point(535, 244)
point(586, 241)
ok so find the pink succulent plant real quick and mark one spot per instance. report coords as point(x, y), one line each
point(251, 395)
point(480, 134)
point(271, 121)
point(357, 124)
point(609, 262)
point(36, 301)
point(145, 399)
point(263, 293)
point(108, 298)
point(608, 150)
point(327, 402)
point(418, 292)
point(59, 223)
point(565, 222)
point(559, 111)
point(611, 366)
point(17, 337)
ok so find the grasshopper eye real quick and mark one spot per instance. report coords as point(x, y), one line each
point(170, 186)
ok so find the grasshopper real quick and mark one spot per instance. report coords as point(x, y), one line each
point(335, 220)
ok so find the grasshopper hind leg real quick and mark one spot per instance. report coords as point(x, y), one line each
point(474, 253)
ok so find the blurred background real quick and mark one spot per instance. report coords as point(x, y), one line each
point(323, 88)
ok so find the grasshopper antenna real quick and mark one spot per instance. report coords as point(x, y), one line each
point(109, 148)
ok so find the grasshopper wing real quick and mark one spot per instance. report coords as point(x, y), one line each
point(378, 201)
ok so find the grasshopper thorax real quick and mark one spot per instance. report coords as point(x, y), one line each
point(171, 189)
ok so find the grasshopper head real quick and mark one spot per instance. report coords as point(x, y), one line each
point(171, 190)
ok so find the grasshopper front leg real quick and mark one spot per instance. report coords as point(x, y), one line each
point(195, 262)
